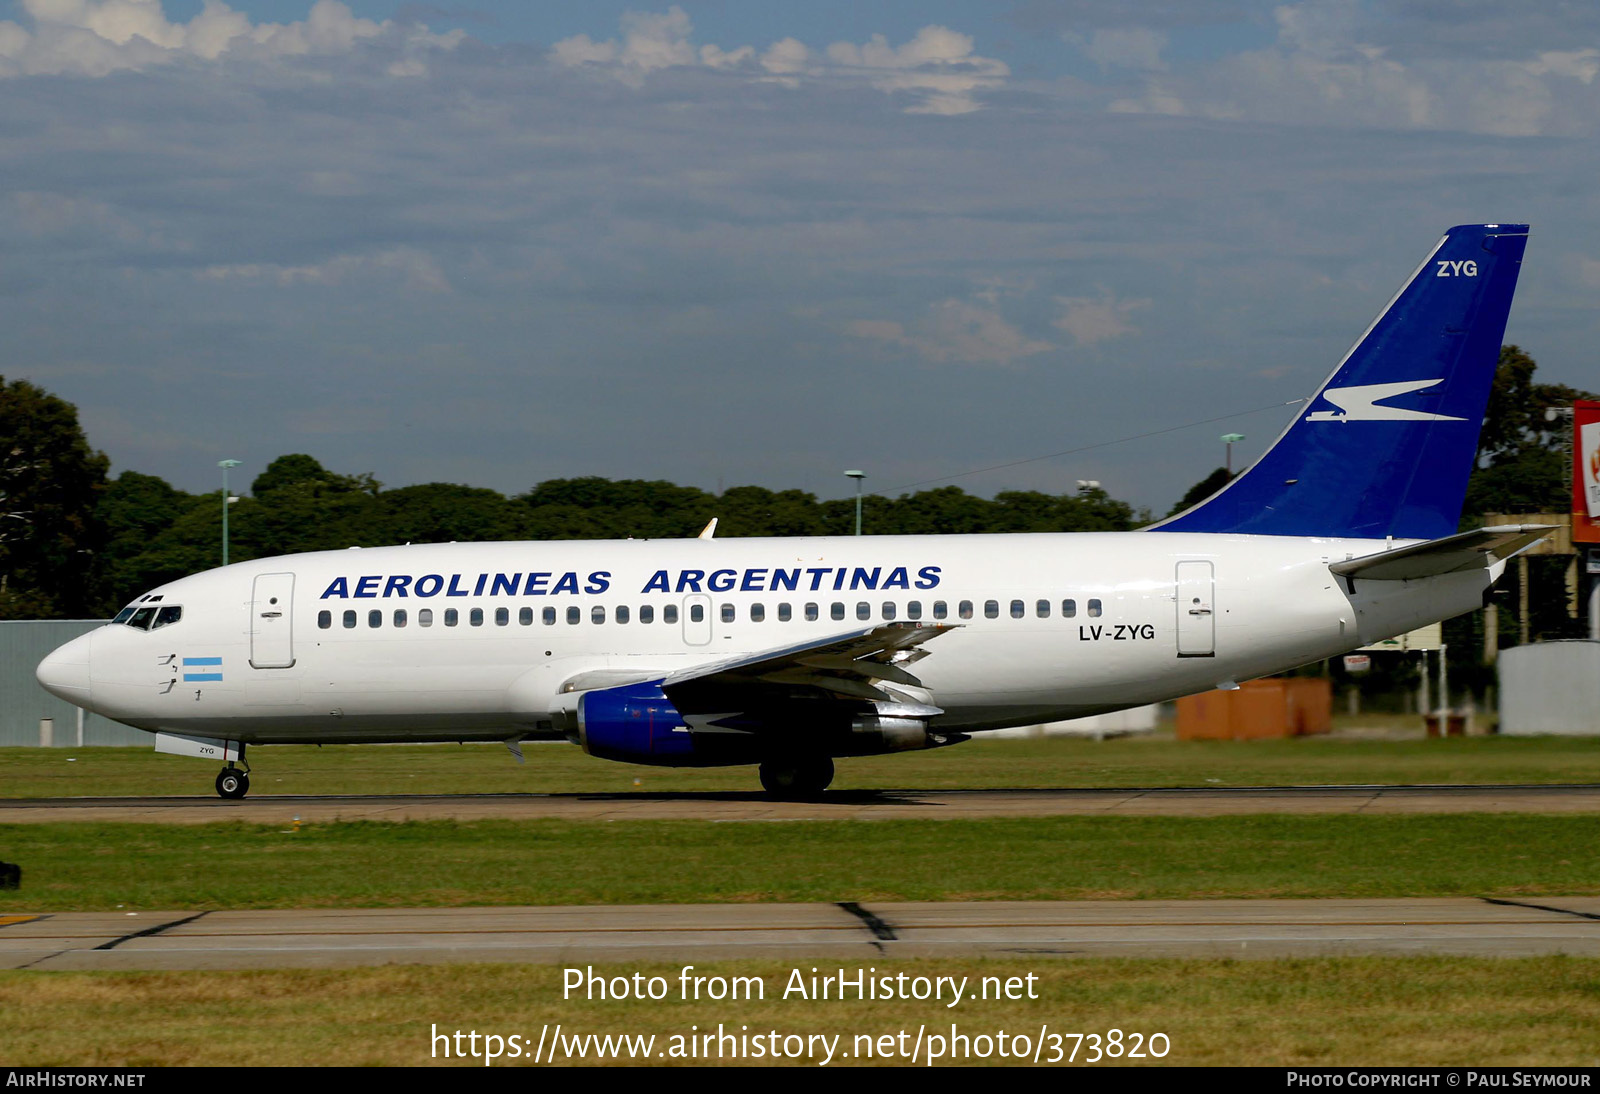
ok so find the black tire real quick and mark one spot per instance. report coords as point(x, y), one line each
point(797, 778)
point(232, 783)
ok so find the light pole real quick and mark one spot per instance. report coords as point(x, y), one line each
point(858, 476)
point(1229, 439)
point(227, 500)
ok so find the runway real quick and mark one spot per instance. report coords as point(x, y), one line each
point(845, 932)
point(835, 805)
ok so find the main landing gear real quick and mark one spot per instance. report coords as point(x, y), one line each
point(233, 783)
point(797, 778)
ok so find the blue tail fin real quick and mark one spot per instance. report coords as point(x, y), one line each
point(1386, 445)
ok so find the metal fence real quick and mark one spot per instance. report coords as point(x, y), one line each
point(24, 704)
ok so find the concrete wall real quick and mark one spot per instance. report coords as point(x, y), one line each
point(1550, 687)
point(23, 644)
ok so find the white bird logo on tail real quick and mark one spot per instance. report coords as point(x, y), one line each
point(1360, 404)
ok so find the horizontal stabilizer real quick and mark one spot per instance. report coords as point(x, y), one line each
point(1452, 554)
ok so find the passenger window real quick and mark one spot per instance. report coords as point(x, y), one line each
point(167, 615)
point(451, 617)
point(1094, 609)
point(697, 613)
point(965, 610)
point(476, 617)
point(647, 613)
point(525, 617)
point(837, 610)
point(1042, 609)
point(324, 620)
point(669, 613)
point(502, 616)
point(549, 617)
point(399, 617)
point(349, 619)
point(375, 618)
point(727, 613)
point(574, 615)
point(888, 609)
point(914, 610)
point(785, 613)
point(1018, 609)
point(863, 610)
point(597, 614)
point(991, 609)
point(622, 613)
point(1069, 608)
point(424, 617)
point(758, 613)
point(812, 613)
point(940, 609)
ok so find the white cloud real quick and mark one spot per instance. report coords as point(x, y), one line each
point(415, 269)
point(956, 331)
point(936, 68)
point(1124, 47)
point(649, 42)
point(1097, 319)
point(98, 37)
point(1328, 67)
point(938, 64)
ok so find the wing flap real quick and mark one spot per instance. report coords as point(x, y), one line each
point(849, 665)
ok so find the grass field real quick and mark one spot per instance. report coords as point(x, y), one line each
point(1157, 760)
point(1341, 1011)
point(1329, 1011)
point(85, 867)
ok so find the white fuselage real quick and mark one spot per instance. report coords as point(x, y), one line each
point(1049, 626)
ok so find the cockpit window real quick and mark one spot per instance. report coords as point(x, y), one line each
point(149, 616)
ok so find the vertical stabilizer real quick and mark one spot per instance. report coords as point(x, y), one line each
point(1387, 444)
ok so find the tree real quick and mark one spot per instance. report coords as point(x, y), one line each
point(1522, 458)
point(50, 483)
point(136, 510)
point(297, 470)
point(438, 512)
point(1202, 490)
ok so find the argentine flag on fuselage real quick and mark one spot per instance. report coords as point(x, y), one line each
point(1386, 445)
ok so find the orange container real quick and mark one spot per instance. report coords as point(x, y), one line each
point(1275, 707)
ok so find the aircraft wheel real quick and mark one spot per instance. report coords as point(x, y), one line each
point(233, 783)
point(797, 778)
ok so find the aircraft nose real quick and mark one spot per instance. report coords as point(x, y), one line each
point(65, 672)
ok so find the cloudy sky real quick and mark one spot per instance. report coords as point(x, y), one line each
point(501, 242)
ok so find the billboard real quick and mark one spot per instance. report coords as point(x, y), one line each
point(1586, 471)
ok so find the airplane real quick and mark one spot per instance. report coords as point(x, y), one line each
point(790, 652)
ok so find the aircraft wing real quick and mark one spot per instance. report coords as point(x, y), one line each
point(849, 665)
point(1452, 554)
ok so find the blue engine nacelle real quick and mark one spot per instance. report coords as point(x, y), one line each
point(635, 723)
